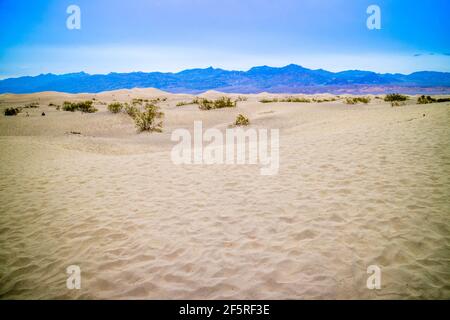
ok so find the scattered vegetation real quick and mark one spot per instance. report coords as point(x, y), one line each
point(356, 100)
point(224, 102)
point(149, 119)
point(12, 111)
point(288, 99)
point(241, 98)
point(115, 107)
point(84, 106)
point(32, 105)
point(136, 101)
point(395, 97)
point(140, 101)
point(242, 120)
point(324, 100)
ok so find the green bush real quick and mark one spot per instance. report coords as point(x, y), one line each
point(69, 106)
point(86, 107)
point(12, 111)
point(115, 107)
point(242, 120)
point(131, 110)
point(148, 120)
point(395, 97)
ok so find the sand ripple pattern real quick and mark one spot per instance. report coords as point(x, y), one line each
point(358, 188)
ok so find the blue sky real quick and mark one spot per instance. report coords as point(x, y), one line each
point(171, 35)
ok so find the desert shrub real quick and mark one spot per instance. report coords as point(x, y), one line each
point(115, 107)
point(149, 119)
point(265, 100)
point(131, 110)
point(69, 106)
point(86, 107)
point(425, 100)
point(12, 111)
point(242, 120)
point(241, 98)
point(395, 97)
point(296, 99)
point(324, 100)
point(356, 100)
point(224, 102)
point(83, 106)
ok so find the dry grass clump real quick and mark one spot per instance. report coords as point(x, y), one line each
point(356, 100)
point(395, 97)
point(148, 120)
point(242, 120)
point(115, 107)
point(83, 106)
point(223, 102)
point(241, 98)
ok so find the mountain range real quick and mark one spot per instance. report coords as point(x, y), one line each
point(289, 79)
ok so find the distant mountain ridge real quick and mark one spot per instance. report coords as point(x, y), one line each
point(289, 79)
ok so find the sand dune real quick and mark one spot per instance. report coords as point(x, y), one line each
point(358, 185)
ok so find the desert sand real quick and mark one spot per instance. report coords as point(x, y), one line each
point(358, 185)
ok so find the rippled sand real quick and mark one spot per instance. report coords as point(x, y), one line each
point(358, 185)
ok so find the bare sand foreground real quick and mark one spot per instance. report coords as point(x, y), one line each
point(358, 185)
